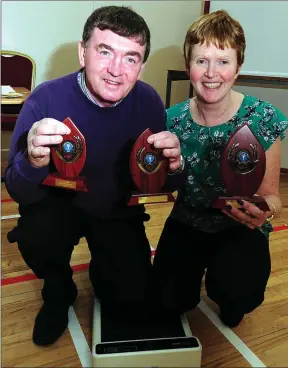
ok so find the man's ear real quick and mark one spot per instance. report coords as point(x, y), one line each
point(81, 53)
point(141, 70)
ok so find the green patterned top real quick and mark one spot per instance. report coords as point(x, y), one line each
point(202, 148)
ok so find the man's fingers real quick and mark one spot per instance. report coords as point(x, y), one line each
point(163, 140)
point(158, 136)
point(165, 143)
point(39, 152)
point(46, 140)
point(171, 152)
point(174, 165)
point(51, 126)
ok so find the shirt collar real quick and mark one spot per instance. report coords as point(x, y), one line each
point(82, 83)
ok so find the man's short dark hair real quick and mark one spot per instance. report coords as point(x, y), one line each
point(121, 20)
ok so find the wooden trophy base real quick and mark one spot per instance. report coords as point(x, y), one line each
point(141, 198)
point(56, 180)
point(222, 202)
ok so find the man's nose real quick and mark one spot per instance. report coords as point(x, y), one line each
point(115, 67)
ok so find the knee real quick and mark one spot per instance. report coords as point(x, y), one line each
point(114, 291)
point(179, 299)
point(242, 303)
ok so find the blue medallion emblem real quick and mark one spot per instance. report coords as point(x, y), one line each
point(69, 151)
point(68, 147)
point(148, 162)
point(149, 159)
point(242, 160)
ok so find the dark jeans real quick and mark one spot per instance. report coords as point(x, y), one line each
point(236, 262)
point(120, 266)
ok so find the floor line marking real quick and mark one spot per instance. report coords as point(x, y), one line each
point(9, 217)
point(231, 336)
point(79, 339)
point(31, 276)
point(275, 229)
point(6, 200)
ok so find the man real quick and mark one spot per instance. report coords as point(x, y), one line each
point(111, 108)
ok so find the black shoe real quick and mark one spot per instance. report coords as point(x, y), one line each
point(231, 318)
point(50, 324)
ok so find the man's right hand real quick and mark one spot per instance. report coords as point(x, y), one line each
point(42, 135)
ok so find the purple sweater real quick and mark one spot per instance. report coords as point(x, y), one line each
point(109, 133)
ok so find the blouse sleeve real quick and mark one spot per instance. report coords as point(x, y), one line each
point(272, 125)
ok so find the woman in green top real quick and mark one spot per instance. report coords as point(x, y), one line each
point(231, 245)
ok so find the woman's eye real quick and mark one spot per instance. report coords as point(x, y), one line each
point(224, 62)
point(201, 61)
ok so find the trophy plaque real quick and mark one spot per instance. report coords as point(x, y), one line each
point(69, 158)
point(149, 170)
point(242, 167)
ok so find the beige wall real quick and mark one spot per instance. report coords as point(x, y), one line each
point(45, 31)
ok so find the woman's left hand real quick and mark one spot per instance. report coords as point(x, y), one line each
point(248, 214)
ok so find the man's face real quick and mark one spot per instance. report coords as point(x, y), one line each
point(113, 65)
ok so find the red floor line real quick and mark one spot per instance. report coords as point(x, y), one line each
point(7, 200)
point(280, 227)
point(18, 279)
point(31, 276)
point(81, 267)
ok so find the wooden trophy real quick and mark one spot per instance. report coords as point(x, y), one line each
point(242, 166)
point(69, 158)
point(149, 170)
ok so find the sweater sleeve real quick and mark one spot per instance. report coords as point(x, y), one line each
point(21, 178)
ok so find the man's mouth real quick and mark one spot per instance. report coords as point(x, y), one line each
point(113, 83)
point(212, 85)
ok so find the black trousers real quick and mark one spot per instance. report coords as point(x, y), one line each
point(120, 267)
point(236, 261)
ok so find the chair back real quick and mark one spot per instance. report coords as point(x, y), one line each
point(17, 70)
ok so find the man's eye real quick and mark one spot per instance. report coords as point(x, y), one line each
point(131, 61)
point(224, 62)
point(104, 52)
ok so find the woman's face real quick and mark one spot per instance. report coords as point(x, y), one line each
point(212, 72)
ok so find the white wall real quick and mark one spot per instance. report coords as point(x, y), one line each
point(265, 24)
point(278, 97)
point(45, 31)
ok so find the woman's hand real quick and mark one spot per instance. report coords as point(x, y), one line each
point(248, 214)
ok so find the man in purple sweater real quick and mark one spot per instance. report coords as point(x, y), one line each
point(111, 108)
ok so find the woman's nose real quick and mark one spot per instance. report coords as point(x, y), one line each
point(211, 70)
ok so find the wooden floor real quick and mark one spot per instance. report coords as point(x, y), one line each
point(263, 333)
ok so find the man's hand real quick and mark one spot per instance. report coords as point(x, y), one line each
point(44, 133)
point(169, 143)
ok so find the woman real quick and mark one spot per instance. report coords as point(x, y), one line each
point(232, 245)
